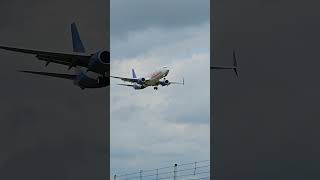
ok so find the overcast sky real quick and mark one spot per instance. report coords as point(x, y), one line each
point(158, 128)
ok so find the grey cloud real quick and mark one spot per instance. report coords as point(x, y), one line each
point(128, 16)
point(144, 42)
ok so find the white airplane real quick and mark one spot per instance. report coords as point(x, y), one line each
point(154, 79)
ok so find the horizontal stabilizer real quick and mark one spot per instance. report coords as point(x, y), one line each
point(64, 76)
point(178, 82)
point(223, 67)
point(235, 66)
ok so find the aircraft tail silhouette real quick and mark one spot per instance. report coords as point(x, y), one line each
point(235, 66)
point(134, 74)
point(76, 40)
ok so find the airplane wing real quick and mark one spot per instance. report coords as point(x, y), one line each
point(64, 76)
point(60, 58)
point(132, 80)
point(126, 85)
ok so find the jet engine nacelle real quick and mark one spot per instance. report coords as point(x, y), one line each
point(84, 81)
point(165, 83)
point(138, 86)
point(99, 61)
point(141, 81)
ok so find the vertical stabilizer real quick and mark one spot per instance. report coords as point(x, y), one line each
point(235, 64)
point(134, 74)
point(76, 40)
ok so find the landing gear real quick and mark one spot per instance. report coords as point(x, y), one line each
point(155, 88)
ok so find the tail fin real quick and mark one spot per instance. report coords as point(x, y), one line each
point(235, 64)
point(134, 74)
point(76, 40)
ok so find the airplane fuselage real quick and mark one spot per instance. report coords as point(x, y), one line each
point(153, 78)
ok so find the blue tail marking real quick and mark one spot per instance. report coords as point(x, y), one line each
point(76, 40)
point(134, 74)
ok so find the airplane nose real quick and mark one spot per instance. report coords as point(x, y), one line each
point(167, 72)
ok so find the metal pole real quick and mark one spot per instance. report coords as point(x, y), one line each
point(175, 172)
point(140, 174)
point(157, 174)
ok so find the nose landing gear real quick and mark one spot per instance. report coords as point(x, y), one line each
point(155, 88)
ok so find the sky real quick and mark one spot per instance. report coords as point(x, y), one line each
point(49, 128)
point(172, 125)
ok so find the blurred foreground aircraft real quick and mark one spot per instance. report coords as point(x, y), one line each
point(97, 64)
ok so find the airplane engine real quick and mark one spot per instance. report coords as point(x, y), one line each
point(165, 83)
point(138, 86)
point(99, 61)
point(141, 80)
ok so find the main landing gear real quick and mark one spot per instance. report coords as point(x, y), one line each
point(155, 88)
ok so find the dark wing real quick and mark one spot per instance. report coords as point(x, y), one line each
point(70, 60)
point(64, 76)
